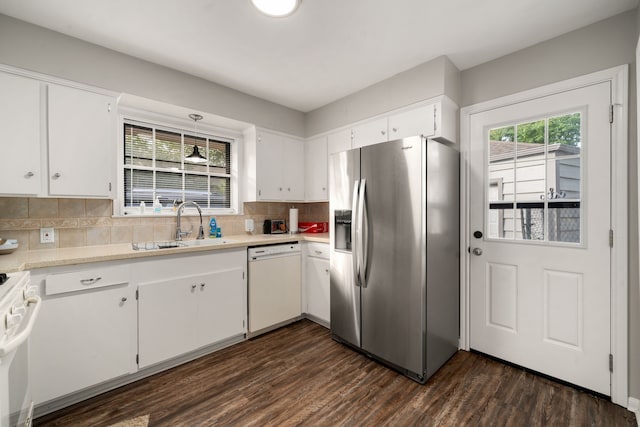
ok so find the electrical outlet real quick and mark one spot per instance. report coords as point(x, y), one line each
point(46, 235)
point(248, 225)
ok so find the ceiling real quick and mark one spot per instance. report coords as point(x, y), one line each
point(326, 50)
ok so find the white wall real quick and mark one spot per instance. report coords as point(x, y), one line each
point(35, 48)
point(599, 46)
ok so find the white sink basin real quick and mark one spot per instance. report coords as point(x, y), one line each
point(147, 246)
point(205, 242)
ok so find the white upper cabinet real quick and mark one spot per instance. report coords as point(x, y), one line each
point(315, 178)
point(370, 133)
point(339, 141)
point(274, 166)
point(82, 140)
point(20, 141)
point(419, 121)
point(57, 140)
point(435, 120)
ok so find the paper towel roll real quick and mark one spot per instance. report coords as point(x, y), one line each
point(293, 220)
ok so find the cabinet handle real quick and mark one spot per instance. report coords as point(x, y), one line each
point(109, 107)
point(318, 252)
point(289, 189)
point(124, 299)
point(29, 174)
point(56, 175)
point(90, 281)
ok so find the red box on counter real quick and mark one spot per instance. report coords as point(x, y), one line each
point(313, 227)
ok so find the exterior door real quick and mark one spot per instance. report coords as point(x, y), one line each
point(540, 201)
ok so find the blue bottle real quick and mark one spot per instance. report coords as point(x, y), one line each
point(213, 228)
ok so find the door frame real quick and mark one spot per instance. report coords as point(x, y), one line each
point(619, 78)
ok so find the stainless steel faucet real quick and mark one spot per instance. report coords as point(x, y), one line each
point(179, 232)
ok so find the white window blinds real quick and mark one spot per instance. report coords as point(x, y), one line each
point(155, 166)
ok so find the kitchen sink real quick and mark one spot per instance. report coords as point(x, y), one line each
point(151, 246)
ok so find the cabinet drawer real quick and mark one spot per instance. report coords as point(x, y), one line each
point(86, 280)
point(318, 250)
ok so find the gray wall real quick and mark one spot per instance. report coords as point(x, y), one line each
point(436, 77)
point(35, 48)
point(599, 46)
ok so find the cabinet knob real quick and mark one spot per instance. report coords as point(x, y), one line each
point(193, 286)
point(326, 270)
point(395, 129)
point(324, 188)
point(382, 132)
point(280, 188)
point(56, 175)
point(29, 174)
point(289, 189)
point(124, 299)
point(202, 285)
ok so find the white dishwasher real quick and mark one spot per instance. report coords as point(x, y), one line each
point(274, 286)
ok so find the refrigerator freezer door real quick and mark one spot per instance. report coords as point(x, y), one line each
point(344, 179)
point(393, 292)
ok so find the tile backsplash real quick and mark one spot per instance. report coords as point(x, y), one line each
point(88, 222)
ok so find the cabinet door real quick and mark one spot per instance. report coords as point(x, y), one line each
point(166, 319)
point(315, 166)
point(339, 141)
point(83, 339)
point(269, 166)
point(419, 121)
point(292, 169)
point(370, 133)
point(20, 141)
point(317, 287)
point(82, 142)
point(220, 305)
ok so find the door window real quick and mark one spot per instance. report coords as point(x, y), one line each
point(535, 180)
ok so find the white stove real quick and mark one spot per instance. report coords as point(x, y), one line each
point(19, 308)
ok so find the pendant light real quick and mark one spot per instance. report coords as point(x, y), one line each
point(276, 8)
point(195, 156)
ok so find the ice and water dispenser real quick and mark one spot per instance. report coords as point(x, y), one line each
point(342, 229)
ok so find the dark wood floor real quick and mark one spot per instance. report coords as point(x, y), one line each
point(299, 376)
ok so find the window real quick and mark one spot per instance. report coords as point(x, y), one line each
point(154, 166)
point(535, 182)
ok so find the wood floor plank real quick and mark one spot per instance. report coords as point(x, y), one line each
point(298, 375)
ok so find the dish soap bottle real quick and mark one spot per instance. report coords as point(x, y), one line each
point(213, 227)
point(157, 206)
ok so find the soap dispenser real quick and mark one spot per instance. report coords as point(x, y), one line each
point(157, 206)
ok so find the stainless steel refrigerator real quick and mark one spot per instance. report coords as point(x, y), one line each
point(394, 210)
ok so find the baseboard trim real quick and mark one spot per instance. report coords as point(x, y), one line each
point(634, 406)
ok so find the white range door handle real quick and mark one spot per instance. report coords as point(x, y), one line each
point(15, 341)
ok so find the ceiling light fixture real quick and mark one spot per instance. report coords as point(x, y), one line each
point(195, 156)
point(276, 8)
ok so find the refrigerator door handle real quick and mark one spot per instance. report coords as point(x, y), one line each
point(354, 233)
point(361, 234)
point(364, 236)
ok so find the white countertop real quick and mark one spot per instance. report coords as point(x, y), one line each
point(42, 258)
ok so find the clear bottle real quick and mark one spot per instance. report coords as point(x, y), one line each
point(157, 206)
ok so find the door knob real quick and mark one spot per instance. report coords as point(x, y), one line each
point(477, 251)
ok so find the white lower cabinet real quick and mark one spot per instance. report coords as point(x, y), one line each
point(180, 312)
point(316, 282)
point(86, 331)
point(90, 328)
